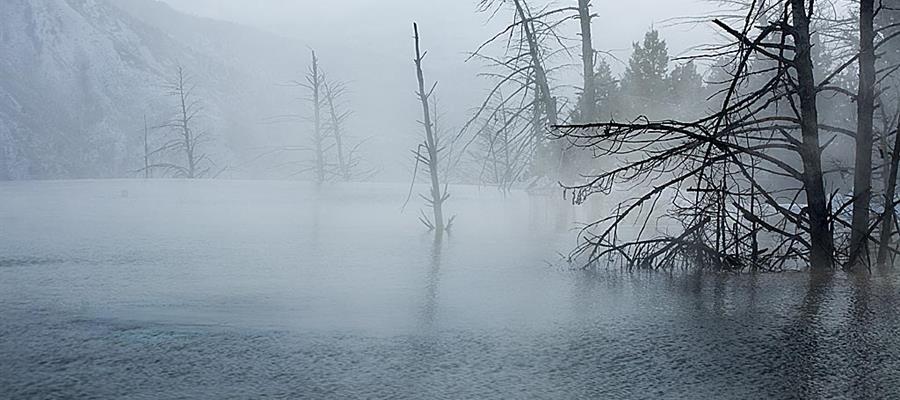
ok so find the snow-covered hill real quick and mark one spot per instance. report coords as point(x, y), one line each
point(77, 77)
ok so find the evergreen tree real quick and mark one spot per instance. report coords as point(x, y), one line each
point(686, 91)
point(609, 107)
point(644, 83)
point(607, 97)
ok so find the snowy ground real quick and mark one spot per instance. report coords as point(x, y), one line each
point(231, 289)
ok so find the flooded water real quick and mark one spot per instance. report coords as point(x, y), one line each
point(218, 290)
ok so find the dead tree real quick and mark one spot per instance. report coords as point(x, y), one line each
point(328, 115)
point(736, 175)
point(499, 159)
point(187, 140)
point(547, 100)
point(432, 149)
point(588, 104)
point(314, 82)
point(350, 165)
point(821, 239)
point(315, 160)
point(147, 169)
point(888, 217)
point(336, 121)
point(865, 106)
point(522, 84)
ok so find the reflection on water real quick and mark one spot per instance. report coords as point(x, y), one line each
point(432, 283)
point(248, 290)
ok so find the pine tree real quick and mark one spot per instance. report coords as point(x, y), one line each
point(608, 95)
point(686, 91)
point(608, 102)
point(644, 83)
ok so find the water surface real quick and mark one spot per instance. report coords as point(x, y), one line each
point(167, 289)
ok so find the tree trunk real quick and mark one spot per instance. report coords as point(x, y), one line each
point(540, 75)
point(315, 83)
point(887, 216)
point(865, 109)
point(338, 135)
point(431, 142)
point(821, 240)
point(545, 104)
point(588, 104)
point(187, 135)
point(146, 149)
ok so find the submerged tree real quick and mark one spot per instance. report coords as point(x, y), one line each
point(315, 82)
point(336, 123)
point(148, 172)
point(888, 216)
point(587, 104)
point(186, 140)
point(865, 106)
point(428, 153)
point(887, 26)
point(328, 115)
point(349, 164)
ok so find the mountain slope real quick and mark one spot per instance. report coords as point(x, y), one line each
point(77, 76)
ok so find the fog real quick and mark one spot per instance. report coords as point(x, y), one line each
point(481, 199)
point(367, 44)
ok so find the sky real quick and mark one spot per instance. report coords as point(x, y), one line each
point(618, 23)
point(368, 44)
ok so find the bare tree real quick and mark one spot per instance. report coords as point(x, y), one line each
point(522, 84)
point(432, 148)
point(350, 165)
point(588, 104)
point(537, 62)
point(187, 140)
point(821, 239)
point(314, 82)
point(888, 218)
point(147, 169)
point(497, 154)
point(734, 176)
point(336, 120)
point(328, 115)
point(865, 106)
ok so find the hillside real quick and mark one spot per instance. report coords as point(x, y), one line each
point(77, 76)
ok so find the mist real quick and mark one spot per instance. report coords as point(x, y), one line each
point(484, 199)
point(369, 48)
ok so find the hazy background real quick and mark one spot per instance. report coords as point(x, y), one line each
point(79, 76)
point(369, 44)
